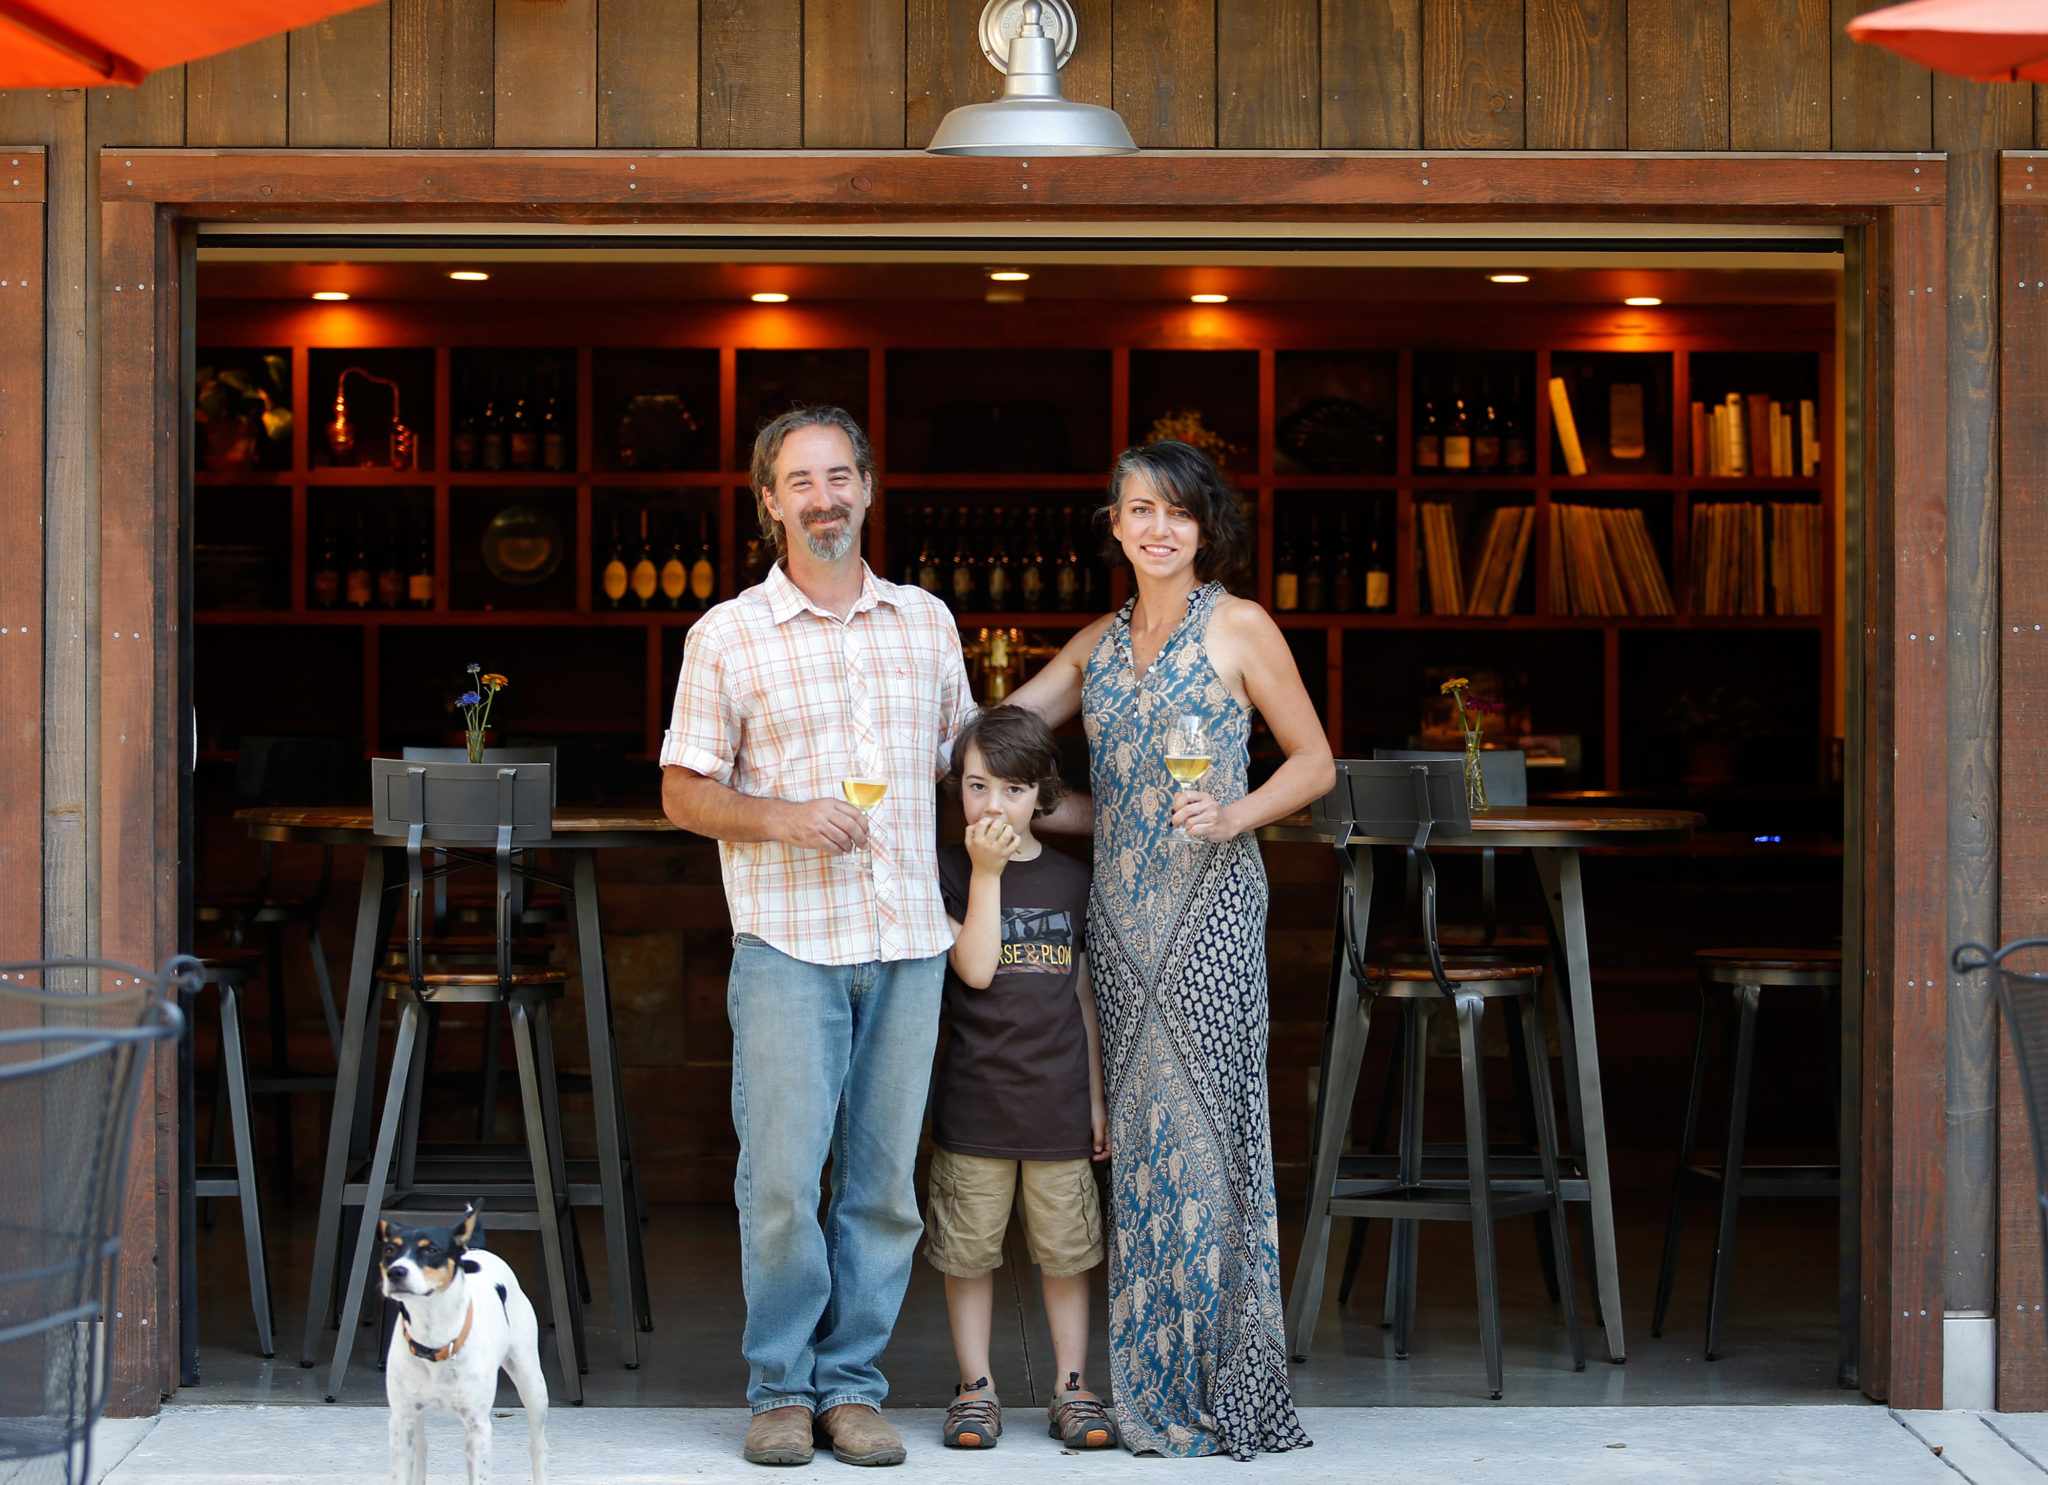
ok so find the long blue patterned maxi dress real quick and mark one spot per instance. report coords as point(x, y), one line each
point(1177, 951)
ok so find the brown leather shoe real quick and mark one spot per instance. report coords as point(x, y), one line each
point(780, 1436)
point(859, 1434)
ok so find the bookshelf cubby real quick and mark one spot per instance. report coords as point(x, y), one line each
point(1022, 407)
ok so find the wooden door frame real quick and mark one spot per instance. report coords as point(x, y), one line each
point(1894, 203)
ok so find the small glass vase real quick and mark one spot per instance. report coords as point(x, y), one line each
point(475, 740)
point(1475, 777)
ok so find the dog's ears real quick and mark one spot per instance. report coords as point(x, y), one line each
point(383, 1231)
point(471, 1266)
point(466, 1228)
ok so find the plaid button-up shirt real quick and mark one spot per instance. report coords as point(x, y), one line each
point(782, 700)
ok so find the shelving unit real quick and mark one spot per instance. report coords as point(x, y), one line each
point(1035, 422)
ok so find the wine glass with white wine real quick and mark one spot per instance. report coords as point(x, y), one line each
point(1189, 752)
point(863, 788)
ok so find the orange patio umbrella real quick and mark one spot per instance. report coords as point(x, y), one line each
point(1983, 40)
point(91, 43)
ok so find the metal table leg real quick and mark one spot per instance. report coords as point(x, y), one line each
point(606, 1104)
point(1344, 1038)
point(1564, 891)
point(376, 909)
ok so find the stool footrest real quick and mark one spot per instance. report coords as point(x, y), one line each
point(1439, 1203)
point(1778, 1180)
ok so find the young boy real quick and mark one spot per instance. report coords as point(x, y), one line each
point(1017, 1110)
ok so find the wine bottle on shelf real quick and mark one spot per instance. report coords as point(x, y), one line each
point(554, 432)
point(704, 569)
point(646, 580)
point(391, 573)
point(359, 583)
point(462, 446)
point(1514, 432)
point(1342, 599)
point(1457, 451)
point(996, 575)
point(927, 560)
point(419, 583)
point(524, 443)
point(615, 579)
point(675, 572)
point(1379, 577)
point(1429, 452)
point(491, 431)
point(1031, 580)
point(755, 560)
point(1286, 573)
point(962, 581)
point(1067, 576)
point(1486, 436)
point(325, 589)
point(1313, 581)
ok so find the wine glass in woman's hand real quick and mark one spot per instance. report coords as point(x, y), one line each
point(1189, 753)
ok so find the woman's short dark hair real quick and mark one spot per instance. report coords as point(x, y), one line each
point(768, 448)
point(1016, 747)
point(1190, 479)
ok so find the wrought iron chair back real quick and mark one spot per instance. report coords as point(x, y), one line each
point(75, 1036)
point(1388, 797)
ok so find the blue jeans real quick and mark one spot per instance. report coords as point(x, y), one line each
point(828, 1060)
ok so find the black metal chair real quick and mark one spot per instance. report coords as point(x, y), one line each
point(1745, 973)
point(228, 971)
point(452, 809)
point(286, 770)
point(76, 1036)
point(1506, 771)
point(1413, 798)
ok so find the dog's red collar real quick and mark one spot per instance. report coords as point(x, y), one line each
point(444, 1353)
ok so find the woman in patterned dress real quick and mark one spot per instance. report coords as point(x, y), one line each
point(1177, 953)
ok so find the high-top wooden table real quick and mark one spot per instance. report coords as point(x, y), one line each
point(1553, 835)
point(578, 834)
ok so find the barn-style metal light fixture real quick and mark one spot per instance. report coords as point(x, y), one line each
point(1032, 117)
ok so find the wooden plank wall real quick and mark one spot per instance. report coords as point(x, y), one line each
point(1186, 74)
point(880, 74)
point(21, 549)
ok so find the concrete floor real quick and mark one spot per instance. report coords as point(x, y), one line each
point(1465, 1446)
point(1779, 1349)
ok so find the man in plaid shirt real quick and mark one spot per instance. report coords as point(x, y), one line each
point(822, 673)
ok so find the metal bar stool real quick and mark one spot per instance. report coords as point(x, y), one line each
point(1393, 798)
point(228, 971)
point(1746, 972)
point(449, 806)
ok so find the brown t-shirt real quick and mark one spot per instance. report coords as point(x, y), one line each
point(1013, 1081)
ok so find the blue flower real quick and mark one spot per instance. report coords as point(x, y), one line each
point(475, 668)
point(468, 698)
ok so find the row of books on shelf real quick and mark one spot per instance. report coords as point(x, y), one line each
point(1603, 563)
point(1496, 574)
point(1755, 435)
point(1747, 559)
point(1746, 555)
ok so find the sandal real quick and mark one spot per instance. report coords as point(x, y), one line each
point(1078, 1419)
point(974, 1419)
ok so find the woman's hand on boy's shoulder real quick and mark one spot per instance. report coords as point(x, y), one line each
point(991, 844)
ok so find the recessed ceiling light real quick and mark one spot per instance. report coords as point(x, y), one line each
point(770, 298)
point(469, 275)
point(1008, 275)
point(330, 295)
point(1643, 301)
point(1208, 299)
point(1508, 278)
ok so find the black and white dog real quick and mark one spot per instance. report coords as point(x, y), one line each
point(462, 1317)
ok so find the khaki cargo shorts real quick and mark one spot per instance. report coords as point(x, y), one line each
point(969, 1212)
